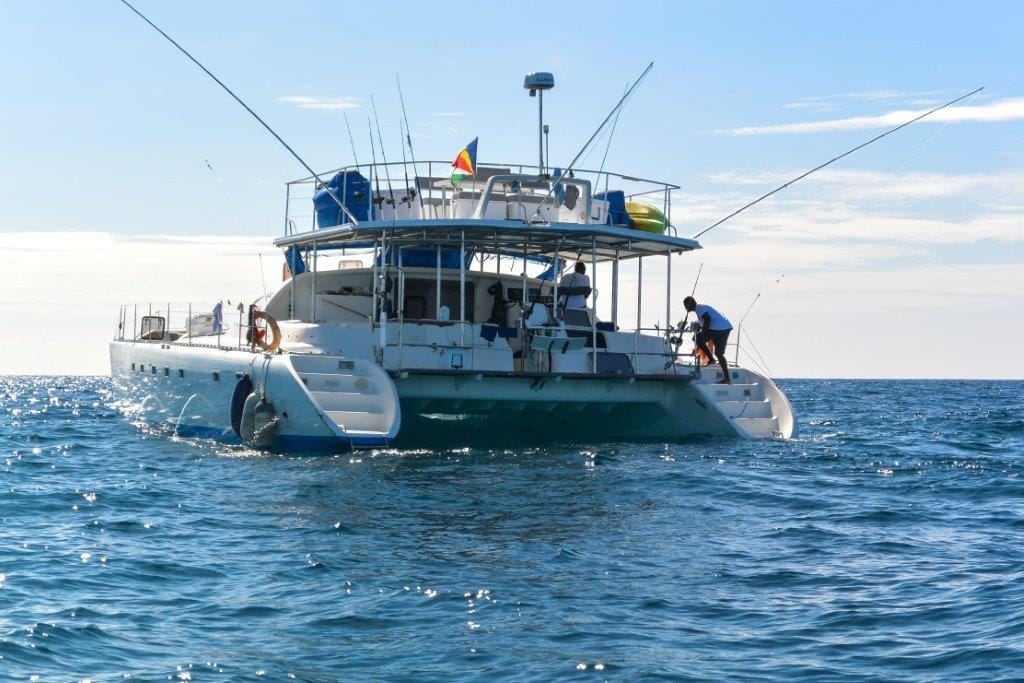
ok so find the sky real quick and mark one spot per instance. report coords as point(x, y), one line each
point(127, 175)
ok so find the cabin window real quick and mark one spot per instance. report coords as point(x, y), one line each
point(153, 327)
point(167, 372)
point(421, 299)
point(133, 367)
point(415, 307)
point(181, 373)
point(216, 376)
point(152, 369)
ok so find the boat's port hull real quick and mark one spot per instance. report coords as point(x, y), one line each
point(191, 391)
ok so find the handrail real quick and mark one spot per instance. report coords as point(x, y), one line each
point(485, 196)
point(436, 194)
point(523, 168)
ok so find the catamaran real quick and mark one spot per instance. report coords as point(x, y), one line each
point(429, 308)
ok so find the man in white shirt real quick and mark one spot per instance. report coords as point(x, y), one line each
point(714, 327)
point(575, 281)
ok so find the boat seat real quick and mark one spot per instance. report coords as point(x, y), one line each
point(585, 336)
point(576, 317)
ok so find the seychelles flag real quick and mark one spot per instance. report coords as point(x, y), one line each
point(465, 163)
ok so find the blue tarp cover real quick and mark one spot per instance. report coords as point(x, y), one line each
point(354, 192)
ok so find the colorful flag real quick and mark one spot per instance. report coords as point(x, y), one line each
point(465, 163)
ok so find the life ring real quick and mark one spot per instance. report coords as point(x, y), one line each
point(275, 331)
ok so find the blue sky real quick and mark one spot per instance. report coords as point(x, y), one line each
point(107, 130)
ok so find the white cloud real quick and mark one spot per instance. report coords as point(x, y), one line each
point(863, 206)
point(1011, 109)
point(67, 287)
point(827, 103)
point(876, 185)
point(844, 320)
point(325, 103)
point(843, 309)
point(812, 105)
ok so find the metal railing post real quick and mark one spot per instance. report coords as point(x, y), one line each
point(668, 290)
point(462, 288)
point(401, 315)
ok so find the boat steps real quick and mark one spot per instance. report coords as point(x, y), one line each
point(337, 383)
point(734, 392)
point(745, 409)
point(360, 422)
point(356, 395)
point(744, 403)
point(353, 401)
point(759, 427)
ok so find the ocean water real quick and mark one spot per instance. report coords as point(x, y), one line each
point(885, 543)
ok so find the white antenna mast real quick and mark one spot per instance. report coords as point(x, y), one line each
point(537, 83)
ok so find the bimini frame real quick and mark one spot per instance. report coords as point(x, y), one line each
point(471, 238)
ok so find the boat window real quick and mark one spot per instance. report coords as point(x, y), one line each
point(133, 367)
point(216, 376)
point(613, 364)
point(415, 307)
point(421, 299)
point(515, 295)
point(152, 327)
point(181, 373)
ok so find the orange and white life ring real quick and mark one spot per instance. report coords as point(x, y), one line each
point(260, 336)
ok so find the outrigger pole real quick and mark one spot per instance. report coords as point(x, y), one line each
point(612, 113)
point(834, 159)
point(238, 99)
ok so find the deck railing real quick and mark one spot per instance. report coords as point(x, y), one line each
point(188, 323)
point(400, 190)
point(194, 324)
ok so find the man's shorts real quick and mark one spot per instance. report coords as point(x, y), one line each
point(718, 337)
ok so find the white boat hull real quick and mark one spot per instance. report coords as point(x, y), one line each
point(190, 390)
point(333, 403)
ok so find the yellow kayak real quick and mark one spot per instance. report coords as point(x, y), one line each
point(645, 217)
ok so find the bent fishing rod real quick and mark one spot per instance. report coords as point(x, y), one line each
point(618, 106)
point(256, 116)
point(833, 160)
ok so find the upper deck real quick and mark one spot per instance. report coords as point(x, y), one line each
point(503, 209)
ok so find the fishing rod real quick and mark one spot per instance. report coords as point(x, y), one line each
point(682, 325)
point(351, 141)
point(608, 147)
point(405, 168)
point(739, 325)
point(408, 140)
point(256, 116)
point(834, 159)
point(380, 141)
point(680, 329)
point(374, 172)
point(697, 279)
point(615, 109)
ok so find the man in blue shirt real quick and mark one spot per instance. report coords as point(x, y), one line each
point(714, 327)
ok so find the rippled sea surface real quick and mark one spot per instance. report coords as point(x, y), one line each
point(885, 543)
